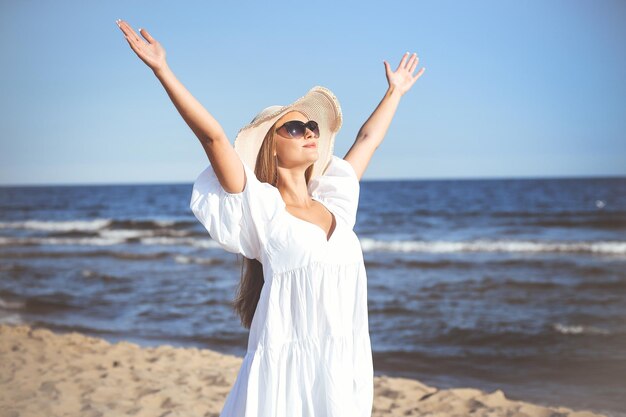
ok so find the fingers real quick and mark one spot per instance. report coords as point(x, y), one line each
point(132, 45)
point(130, 36)
point(146, 35)
point(419, 74)
point(413, 63)
point(128, 31)
point(410, 66)
point(404, 57)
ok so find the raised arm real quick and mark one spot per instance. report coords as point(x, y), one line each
point(225, 161)
point(375, 127)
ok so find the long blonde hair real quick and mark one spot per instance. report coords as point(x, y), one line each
point(252, 280)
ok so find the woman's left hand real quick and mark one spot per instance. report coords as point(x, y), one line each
point(402, 79)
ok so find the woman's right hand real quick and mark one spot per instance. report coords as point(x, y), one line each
point(152, 53)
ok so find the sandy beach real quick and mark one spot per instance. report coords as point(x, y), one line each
point(45, 373)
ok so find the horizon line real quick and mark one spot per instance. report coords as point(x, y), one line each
point(495, 178)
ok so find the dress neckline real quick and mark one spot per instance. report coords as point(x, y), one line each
point(326, 238)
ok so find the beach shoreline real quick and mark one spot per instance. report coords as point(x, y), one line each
point(54, 374)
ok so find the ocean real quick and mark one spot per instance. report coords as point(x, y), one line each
point(512, 284)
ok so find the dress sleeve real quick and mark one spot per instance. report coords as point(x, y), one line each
point(339, 188)
point(238, 222)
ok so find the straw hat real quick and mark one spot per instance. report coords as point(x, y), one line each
point(319, 104)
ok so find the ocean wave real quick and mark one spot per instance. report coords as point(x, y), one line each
point(578, 329)
point(78, 254)
point(187, 238)
point(70, 225)
point(181, 259)
point(109, 241)
point(92, 225)
point(11, 305)
point(87, 241)
point(510, 246)
point(522, 336)
point(10, 318)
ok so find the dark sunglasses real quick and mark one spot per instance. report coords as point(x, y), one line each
point(295, 129)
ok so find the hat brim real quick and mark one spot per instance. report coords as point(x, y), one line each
point(318, 104)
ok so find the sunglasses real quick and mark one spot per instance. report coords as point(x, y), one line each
point(295, 129)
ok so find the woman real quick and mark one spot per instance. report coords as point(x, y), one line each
point(282, 199)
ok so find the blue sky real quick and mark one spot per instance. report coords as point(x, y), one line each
point(511, 89)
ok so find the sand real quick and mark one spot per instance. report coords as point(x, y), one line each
point(47, 374)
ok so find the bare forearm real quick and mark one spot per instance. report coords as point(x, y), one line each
point(201, 122)
point(375, 127)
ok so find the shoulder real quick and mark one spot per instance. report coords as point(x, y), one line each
point(340, 167)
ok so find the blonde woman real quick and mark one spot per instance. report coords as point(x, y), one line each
point(284, 201)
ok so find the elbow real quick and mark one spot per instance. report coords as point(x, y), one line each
point(212, 140)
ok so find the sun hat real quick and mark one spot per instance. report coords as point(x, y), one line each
point(318, 104)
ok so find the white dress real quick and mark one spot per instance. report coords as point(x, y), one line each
point(309, 351)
